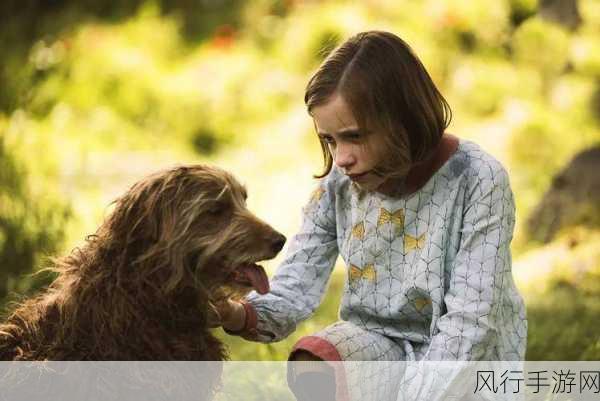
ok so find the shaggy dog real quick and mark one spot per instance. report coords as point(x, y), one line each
point(142, 287)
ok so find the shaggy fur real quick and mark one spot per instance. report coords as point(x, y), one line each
point(141, 287)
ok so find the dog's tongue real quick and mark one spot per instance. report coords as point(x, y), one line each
point(257, 277)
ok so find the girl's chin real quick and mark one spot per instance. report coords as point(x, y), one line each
point(370, 182)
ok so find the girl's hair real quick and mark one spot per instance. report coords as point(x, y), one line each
point(389, 91)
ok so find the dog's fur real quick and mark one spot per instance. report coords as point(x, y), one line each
point(141, 287)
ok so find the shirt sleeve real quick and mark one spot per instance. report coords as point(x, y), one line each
point(480, 288)
point(299, 283)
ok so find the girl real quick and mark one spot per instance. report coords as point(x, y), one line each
point(422, 219)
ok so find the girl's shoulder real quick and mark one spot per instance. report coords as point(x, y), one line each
point(334, 181)
point(324, 190)
point(475, 161)
point(482, 171)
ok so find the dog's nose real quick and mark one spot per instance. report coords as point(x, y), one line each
point(278, 243)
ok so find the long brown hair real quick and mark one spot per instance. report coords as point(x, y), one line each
point(388, 91)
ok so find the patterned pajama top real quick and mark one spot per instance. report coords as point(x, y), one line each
point(430, 270)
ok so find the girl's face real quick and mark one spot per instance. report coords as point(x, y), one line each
point(356, 153)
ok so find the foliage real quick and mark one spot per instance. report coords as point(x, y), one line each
point(30, 227)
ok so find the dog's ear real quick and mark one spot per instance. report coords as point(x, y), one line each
point(132, 231)
point(161, 222)
point(141, 212)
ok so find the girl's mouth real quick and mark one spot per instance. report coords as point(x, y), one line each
point(358, 177)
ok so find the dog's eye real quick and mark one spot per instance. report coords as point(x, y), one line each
point(218, 208)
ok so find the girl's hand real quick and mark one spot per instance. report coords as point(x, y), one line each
point(232, 315)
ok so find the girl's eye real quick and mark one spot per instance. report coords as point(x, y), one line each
point(328, 139)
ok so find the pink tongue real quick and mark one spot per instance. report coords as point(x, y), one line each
point(257, 277)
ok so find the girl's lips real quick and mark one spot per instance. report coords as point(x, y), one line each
point(358, 177)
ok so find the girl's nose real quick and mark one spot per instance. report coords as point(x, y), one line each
point(344, 156)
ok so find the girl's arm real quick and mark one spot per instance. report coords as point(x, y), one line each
point(298, 286)
point(479, 323)
point(485, 315)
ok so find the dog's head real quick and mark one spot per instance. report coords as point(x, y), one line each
point(188, 231)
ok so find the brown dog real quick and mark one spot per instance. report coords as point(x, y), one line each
point(141, 288)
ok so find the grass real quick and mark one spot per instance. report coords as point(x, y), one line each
point(563, 326)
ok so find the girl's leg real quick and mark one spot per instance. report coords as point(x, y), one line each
point(340, 344)
point(310, 378)
point(345, 341)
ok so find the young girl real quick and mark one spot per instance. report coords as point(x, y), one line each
point(422, 219)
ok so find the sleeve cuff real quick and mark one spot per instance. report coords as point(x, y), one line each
point(249, 330)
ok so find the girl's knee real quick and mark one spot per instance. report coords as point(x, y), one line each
point(303, 355)
point(310, 378)
point(302, 361)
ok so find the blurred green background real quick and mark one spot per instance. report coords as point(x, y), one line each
point(95, 94)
